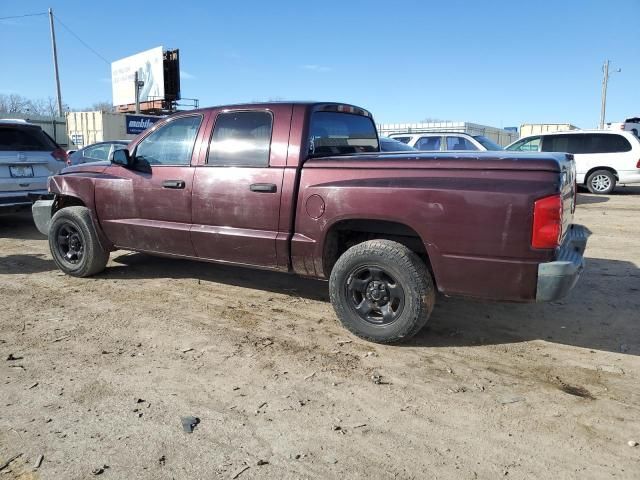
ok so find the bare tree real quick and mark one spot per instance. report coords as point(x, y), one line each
point(47, 107)
point(433, 120)
point(14, 103)
point(103, 106)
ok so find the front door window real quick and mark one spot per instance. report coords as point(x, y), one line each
point(171, 144)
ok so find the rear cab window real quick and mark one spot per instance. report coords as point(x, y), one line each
point(342, 133)
point(402, 139)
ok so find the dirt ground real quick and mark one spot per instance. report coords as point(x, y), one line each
point(106, 367)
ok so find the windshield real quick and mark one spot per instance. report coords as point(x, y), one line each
point(335, 133)
point(487, 143)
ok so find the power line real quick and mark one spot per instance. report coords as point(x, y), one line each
point(82, 41)
point(22, 16)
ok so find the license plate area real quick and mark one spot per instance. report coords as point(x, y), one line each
point(21, 171)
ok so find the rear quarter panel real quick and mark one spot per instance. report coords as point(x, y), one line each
point(475, 224)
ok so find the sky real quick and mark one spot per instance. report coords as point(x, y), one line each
point(499, 63)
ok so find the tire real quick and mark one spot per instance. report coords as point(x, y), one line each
point(601, 182)
point(381, 291)
point(74, 243)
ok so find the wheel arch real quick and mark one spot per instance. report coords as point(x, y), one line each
point(595, 169)
point(61, 201)
point(348, 232)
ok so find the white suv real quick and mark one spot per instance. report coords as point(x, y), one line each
point(603, 158)
point(28, 156)
point(446, 141)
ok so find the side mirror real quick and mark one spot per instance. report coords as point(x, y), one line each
point(121, 157)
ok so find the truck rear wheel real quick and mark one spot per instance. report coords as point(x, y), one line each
point(74, 243)
point(382, 291)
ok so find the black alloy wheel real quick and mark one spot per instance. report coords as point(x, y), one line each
point(69, 243)
point(375, 295)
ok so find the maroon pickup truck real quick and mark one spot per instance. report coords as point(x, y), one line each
point(303, 188)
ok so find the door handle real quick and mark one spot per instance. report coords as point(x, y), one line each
point(263, 188)
point(173, 184)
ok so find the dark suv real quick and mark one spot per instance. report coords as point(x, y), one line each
point(28, 157)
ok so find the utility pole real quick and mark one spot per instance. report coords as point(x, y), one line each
point(55, 62)
point(605, 83)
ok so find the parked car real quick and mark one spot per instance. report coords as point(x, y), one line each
point(392, 145)
point(28, 156)
point(631, 124)
point(96, 152)
point(603, 158)
point(447, 141)
point(303, 188)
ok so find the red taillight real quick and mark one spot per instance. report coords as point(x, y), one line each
point(547, 222)
point(638, 164)
point(60, 155)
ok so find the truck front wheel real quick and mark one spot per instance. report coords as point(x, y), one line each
point(382, 291)
point(74, 243)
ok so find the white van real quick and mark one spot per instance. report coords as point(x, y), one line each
point(603, 158)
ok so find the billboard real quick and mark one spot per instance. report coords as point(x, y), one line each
point(150, 67)
point(137, 123)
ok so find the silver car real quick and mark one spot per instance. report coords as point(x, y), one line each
point(97, 152)
point(28, 157)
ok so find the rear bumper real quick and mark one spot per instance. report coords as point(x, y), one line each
point(556, 279)
point(41, 210)
point(15, 201)
point(8, 199)
point(628, 177)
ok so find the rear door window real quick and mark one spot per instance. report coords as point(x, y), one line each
point(428, 143)
point(25, 138)
point(563, 143)
point(336, 133)
point(241, 139)
point(460, 143)
point(611, 143)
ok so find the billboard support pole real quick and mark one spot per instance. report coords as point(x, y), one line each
point(137, 90)
point(55, 62)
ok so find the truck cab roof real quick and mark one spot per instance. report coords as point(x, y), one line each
point(312, 105)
